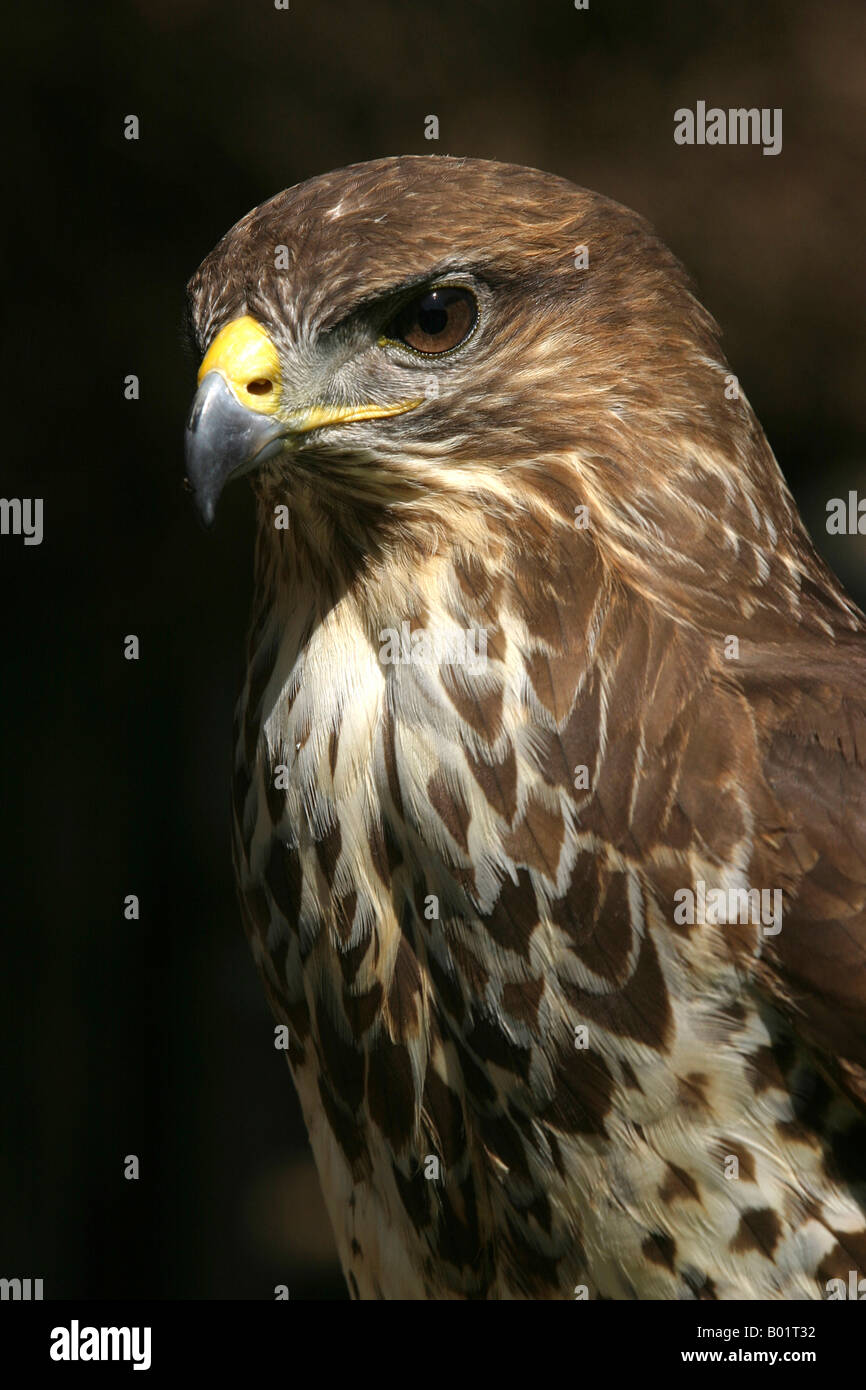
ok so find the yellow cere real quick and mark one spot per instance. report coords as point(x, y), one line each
point(243, 353)
point(246, 357)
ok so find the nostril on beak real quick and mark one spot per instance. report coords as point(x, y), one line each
point(261, 386)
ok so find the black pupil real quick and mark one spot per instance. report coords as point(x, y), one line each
point(433, 313)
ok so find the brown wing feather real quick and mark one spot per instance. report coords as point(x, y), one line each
point(811, 703)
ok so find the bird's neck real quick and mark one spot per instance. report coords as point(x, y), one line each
point(441, 555)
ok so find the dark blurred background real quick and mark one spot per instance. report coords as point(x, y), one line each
point(152, 1037)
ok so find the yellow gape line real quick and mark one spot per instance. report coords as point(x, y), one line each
point(243, 353)
point(317, 416)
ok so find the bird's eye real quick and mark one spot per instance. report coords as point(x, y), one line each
point(436, 321)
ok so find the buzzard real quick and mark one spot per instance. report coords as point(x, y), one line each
point(549, 801)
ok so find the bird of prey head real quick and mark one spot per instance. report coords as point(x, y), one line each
point(473, 396)
point(419, 338)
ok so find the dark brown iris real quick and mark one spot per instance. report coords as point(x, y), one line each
point(436, 321)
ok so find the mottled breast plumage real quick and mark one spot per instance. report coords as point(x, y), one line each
point(541, 665)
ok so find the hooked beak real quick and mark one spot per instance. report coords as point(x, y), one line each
point(238, 420)
point(224, 439)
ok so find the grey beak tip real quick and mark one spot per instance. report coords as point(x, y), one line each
point(222, 439)
point(205, 508)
